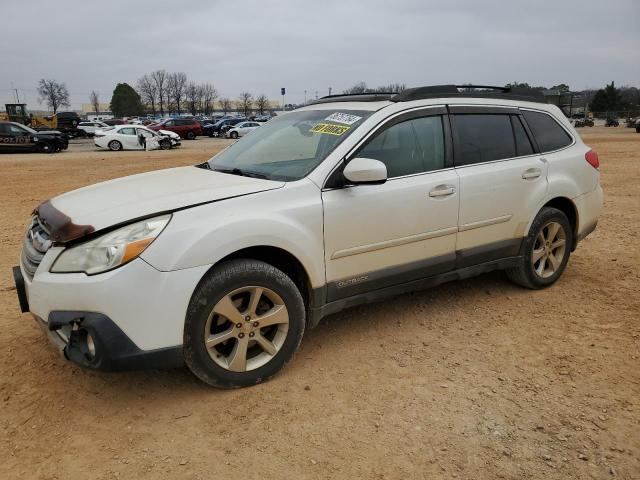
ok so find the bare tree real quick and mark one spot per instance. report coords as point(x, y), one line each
point(176, 85)
point(262, 103)
point(209, 95)
point(54, 94)
point(360, 87)
point(94, 99)
point(225, 105)
point(148, 91)
point(246, 102)
point(159, 78)
point(193, 93)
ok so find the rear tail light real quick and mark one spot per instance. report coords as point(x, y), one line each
point(592, 157)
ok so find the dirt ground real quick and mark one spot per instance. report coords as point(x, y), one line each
point(477, 379)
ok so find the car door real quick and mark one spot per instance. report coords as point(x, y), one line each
point(129, 138)
point(501, 179)
point(402, 230)
point(19, 138)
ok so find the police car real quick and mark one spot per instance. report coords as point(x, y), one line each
point(15, 137)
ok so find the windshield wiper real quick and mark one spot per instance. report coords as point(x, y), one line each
point(242, 173)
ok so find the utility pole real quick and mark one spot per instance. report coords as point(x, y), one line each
point(305, 97)
point(316, 94)
point(329, 91)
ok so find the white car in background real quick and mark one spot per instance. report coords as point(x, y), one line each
point(89, 128)
point(241, 129)
point(134, 137)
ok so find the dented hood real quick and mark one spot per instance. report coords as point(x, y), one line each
point(77, 213)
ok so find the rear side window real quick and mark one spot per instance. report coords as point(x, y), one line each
point(548, 134)
point(409, 147)
point(482, 138)
point(523, 144)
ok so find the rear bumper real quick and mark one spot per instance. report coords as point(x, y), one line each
point(589, 207)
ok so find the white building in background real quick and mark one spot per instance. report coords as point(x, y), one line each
point(103, 114)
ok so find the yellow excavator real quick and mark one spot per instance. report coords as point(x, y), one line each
point(66, 122)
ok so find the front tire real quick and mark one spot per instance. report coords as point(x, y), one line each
point(115, 146)
point(234, 135)
point(547, 248)
point(245, 321)
point(191, 136)
point(46, 147)
point(165, 144)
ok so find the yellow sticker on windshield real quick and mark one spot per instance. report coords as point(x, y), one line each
point(329, 129)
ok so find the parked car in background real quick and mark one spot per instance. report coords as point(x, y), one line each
point(188, 128)
point(612, 122)
point(89, 128)
point(114, 121)
point(15, 137)
point(133, 137)
point(219, 128)
point(241, 129)
point(583, 122)
point(262, 118)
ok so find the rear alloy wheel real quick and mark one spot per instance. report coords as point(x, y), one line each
point(546, 250)
point(234, 135)
point(244, 323)
point(114, 145)
point(191, 136)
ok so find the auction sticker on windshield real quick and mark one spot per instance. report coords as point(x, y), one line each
point(345, 118)
point(329, 129)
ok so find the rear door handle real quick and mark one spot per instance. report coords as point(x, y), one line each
point(531, 173)
point(442, 191)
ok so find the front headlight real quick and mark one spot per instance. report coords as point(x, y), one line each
point(111, 249)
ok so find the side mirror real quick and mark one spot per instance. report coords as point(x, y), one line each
point(365, 171)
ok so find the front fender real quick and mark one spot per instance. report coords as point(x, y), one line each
point(289, 218)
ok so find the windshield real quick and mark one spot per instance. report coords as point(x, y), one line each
point(290, 146)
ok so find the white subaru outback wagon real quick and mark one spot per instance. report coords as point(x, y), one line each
point(355, 198)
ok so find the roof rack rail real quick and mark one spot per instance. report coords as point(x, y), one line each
point(438, 91)
point(467, 91)
point(357, 97)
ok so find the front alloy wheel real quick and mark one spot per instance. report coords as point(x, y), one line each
point(244, 323)
point(246, 328)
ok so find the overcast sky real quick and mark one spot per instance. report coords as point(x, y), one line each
point(260, 46)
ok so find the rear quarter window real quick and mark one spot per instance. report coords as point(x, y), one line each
point(548, 133)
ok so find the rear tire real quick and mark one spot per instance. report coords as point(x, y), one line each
point(546, 248)
point(250, 294)
point(115, 146)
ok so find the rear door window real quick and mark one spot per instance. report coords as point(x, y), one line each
point(548, 133)
point(128, 131)
point(480, 138)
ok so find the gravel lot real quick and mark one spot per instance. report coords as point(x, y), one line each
point(476, 379)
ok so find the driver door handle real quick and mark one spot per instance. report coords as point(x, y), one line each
point(442, 191)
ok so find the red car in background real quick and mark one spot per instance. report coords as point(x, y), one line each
point(187, 128)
